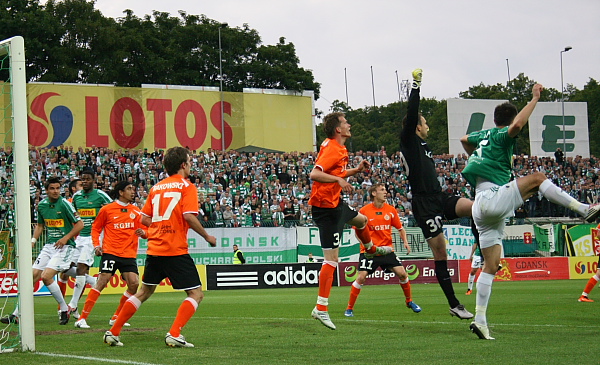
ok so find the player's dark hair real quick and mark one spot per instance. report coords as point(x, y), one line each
point(88, 171)
point(373, 189)
point(120, 186)
point(73, 185)
point(504, 114)
point(331, 122)
point(173, 159)
point(51, 180)
point(406, 117)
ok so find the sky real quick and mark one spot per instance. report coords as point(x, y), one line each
point(458, 44)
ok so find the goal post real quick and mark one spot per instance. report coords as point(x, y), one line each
point(12, 51)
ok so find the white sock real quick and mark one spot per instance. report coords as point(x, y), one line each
point(471, 281)
point(72, 272)
point(484, 291)
point(90, 280)
point(79, 287)
point(557, 196)
point(55, 291)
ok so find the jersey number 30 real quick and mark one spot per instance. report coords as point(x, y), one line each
point(173, 197)
point(434, 224)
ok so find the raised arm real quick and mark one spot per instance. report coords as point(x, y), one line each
point(523, 116)
point(412, 113)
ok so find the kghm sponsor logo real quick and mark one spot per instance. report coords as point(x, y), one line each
point(290, 277)
point(123, 225)
point(245, 278)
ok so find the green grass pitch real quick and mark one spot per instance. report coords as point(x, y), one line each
point(534, 322)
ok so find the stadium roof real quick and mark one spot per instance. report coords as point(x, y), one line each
point(253, 149)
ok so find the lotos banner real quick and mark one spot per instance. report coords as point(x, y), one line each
point(162, 117)
point(583, 267)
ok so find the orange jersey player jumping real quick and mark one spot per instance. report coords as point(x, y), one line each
point(121, 223)
point(171, 209)
point(329, 211)
point(382, 217)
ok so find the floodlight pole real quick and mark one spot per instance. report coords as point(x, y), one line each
point(562, 103)
point(222, 25)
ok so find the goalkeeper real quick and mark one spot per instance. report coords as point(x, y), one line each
point(430, 204)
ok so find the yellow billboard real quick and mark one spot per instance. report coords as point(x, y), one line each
point(582, 267)
point(148, 117)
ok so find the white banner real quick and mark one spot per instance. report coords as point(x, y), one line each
point(466, 116)
point(459, 241)
point(546, 130)
point(309, 242)
point(545, 125)
point(251, 239)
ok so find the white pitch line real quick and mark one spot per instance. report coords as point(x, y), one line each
point(457, 322)
point(95, 359)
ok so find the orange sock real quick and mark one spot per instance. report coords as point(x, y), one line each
point(354, 292)
point(363, 234)
point(590, 285)
point(124, 298)
point(325, 282)
point(407, 290)
point(89, 303)
point(129, 308)
point(184, 313)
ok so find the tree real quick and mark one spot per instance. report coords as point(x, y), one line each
point(71, 41)
point(591, 95)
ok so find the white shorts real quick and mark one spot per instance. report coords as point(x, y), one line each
point(55, 259)
point(477, 262)
point(491, 208)
point(84, 251)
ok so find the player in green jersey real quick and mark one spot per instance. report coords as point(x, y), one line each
point(489, 170)
point(87, 202)
point(59, 221)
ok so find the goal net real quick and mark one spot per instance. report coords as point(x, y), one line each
point(15, 220)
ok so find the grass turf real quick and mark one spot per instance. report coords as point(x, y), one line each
point(534, 322)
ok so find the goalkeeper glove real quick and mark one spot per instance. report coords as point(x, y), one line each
point(417, 75)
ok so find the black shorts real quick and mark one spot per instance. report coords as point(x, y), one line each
point(386, 262)
point(430, 210)
point(181, 271)
point(330, 222)
point(109, 264)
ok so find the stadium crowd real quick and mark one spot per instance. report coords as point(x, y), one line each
point(272, 189)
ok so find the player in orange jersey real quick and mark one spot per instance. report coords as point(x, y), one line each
point(121, 223)
point(171, 209)
point(329, 211)
point(382, 217)
point(590, 284)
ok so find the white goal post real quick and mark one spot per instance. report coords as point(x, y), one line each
point(15, 47)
